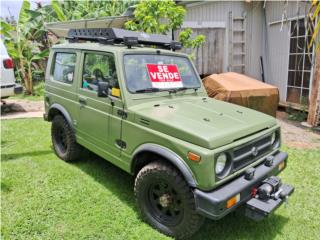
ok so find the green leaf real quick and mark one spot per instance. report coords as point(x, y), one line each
point(316, 12)
point(40, 55)
point(12, 50)
point(34, 14)
point(23, 15)
point(58, 10)
point(6, 28)
point(314, 35)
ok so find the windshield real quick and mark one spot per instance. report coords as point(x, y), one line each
point(159, 72)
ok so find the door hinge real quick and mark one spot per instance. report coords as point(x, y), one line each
point(121, 144)
point(122, 114)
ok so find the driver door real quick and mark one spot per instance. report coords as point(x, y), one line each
point(98, 128)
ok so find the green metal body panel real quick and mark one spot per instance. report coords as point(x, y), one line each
point(180, 122)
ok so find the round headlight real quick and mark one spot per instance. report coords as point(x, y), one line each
point(221, 163)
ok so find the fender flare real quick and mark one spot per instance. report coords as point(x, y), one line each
point(171, 156)
point(63, 111)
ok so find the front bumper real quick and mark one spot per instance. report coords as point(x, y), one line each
point(214, 204)
point(10, 90)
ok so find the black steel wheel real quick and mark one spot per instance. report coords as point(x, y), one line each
point(166, 201)
point(165, 204)
point(63, 140)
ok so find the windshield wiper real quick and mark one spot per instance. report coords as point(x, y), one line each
point(175, 90)
point(146, 90)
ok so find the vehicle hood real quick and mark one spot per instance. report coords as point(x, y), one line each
point(206, 122)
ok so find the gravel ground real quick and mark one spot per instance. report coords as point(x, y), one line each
point(293, 134)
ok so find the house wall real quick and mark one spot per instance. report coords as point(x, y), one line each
point(266, 36)
point(277, 45)
point(214, 16)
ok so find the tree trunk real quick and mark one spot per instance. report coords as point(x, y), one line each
point(23, 74)
point(30, 90)
point(314, 105)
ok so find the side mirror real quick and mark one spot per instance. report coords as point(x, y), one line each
point(103, 88)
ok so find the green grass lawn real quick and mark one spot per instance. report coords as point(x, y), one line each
point(44, 198)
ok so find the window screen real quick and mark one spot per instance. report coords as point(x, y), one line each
point(300, 62)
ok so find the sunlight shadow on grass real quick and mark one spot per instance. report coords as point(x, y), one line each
point(233, 226)
point(15, 156)
point(111, 177)
point(237, 226)
point(5, 188)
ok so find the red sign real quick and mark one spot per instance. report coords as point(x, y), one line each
point(164, 76)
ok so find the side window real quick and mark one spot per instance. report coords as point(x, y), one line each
point(64, 67)
point(99, 67)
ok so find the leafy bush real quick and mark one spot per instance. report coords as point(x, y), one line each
point(153, 16)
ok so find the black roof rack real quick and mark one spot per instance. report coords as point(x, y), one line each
point(117, 35)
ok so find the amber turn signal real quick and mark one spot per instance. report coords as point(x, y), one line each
point(233, 201)
point(281, 166)
point(194, 157)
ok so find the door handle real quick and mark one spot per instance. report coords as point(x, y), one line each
point(82, 101)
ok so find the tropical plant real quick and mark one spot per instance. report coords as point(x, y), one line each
point(27, 42)
point(312, 22)
point(74, 10)
point(315, 8)
point(23, 45)
point(153, 16)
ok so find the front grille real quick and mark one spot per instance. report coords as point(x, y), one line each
point(244, 155)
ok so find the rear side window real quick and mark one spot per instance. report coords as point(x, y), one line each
point(64, 67)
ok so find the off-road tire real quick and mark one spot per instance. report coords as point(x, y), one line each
point(148, 176)
point(67, 149)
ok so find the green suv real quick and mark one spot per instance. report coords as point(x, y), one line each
point(145, 110)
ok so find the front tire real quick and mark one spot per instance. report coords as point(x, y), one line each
point(166, 201)
point(64, 140)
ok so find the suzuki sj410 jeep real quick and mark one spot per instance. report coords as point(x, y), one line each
point(145, 110)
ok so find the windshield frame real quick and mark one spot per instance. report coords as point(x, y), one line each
point(169, 54)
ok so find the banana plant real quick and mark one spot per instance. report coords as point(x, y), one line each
point(27, 41)
point(21, 41)
point(74, 10)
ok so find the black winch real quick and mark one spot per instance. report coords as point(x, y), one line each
point(267, 198)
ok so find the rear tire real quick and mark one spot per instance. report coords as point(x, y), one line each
point(64, 140)
point(166, 201)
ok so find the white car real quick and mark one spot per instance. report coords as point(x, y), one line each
point(8, 84)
